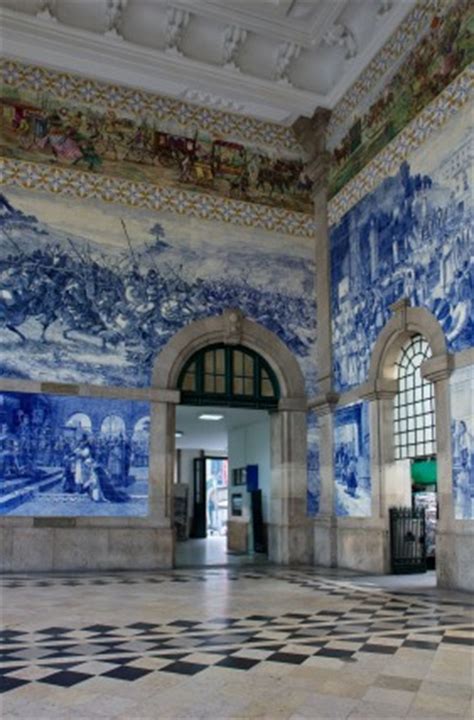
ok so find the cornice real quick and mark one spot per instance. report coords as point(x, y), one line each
point(139, 103)
point(52, 45)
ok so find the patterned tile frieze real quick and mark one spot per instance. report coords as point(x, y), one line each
point(403, 39)
point(138, 104)
point(411, 82)
point(85, 185)
point(388, 161)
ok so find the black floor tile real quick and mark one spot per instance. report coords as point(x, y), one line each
point(238, 663)
point(335, 653)
point(421, 644)
point(183, 668)
point(143, 626)
point(10, 683)
point(381, 649)
point(125, 672)
point(456, 640)
point(284, 657)
point(5, 669)
point(65, 678)
point(101, 628)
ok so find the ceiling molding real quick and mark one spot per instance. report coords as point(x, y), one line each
point(288, 57)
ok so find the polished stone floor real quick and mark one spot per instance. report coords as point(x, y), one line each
point(212, 552)
point(238, 642)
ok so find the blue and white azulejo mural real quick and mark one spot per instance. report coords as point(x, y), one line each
point(462, 411)
point(352, 460)
point(411, 237)
point(313, 465)
point(92, 293)
point(73, 456)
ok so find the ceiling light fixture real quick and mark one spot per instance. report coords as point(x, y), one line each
point(178, 434)
point(209, 416)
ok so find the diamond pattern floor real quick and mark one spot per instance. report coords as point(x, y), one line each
point(226, 643)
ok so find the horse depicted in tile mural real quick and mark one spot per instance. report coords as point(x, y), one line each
point(88, 139)
point(102, 314)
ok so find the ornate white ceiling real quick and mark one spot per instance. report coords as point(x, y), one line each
point(270, 59)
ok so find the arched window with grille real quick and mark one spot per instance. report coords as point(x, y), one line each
point(228, 375)
point(414, 410)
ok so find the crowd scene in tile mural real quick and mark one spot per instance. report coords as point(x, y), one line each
point(67, 454)
point(444, 51)
point(411, 237)
point(109, 313)
point(46, 131)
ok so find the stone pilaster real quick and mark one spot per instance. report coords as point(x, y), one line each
point(311, 134)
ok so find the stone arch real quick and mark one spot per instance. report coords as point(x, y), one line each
point(230, 328)
point(405, 321)
point(381, 389)
point(289, 528)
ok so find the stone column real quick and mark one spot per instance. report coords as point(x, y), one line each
point(454, 538)
point(289, 530)
point(325, 524)
point(385, 482)
point(311, 134)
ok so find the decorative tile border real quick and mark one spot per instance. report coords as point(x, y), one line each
point(170, 113)
point(84, 185)
point(387, 162)
point(402, 41)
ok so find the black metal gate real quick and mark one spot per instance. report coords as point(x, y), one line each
point(407, 540)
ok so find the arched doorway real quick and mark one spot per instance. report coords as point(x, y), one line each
point(222, 491)
point(409, 391)
point(289, 529)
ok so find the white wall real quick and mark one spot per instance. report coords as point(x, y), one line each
point(250, 445)
point(186, 469)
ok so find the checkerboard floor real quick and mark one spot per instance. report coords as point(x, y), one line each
point(226, 643)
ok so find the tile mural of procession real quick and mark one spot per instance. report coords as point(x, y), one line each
point(411, 237)
point(352, 460)
point(41, 129)
point(441, 55)
point(92, 294)
point(73, 456)
point(462, 414)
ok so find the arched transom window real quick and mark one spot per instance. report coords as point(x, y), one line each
point(414, 411)
point(228, 375)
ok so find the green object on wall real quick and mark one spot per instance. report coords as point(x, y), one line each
point(424, 472)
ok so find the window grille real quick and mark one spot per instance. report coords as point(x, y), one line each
point(228, 375)
point(414, 409)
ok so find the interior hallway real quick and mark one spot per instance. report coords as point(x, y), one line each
point(212, 552)
point(242, 642)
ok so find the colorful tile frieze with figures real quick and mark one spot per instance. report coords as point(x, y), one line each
point(431, 66)
point(180, 151)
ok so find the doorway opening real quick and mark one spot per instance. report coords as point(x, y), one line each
point(415, 454)
point(222, 485)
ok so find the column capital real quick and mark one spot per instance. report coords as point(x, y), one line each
point(325, 403)
point(311, 135)
point(437, 368)
point(379, 389)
